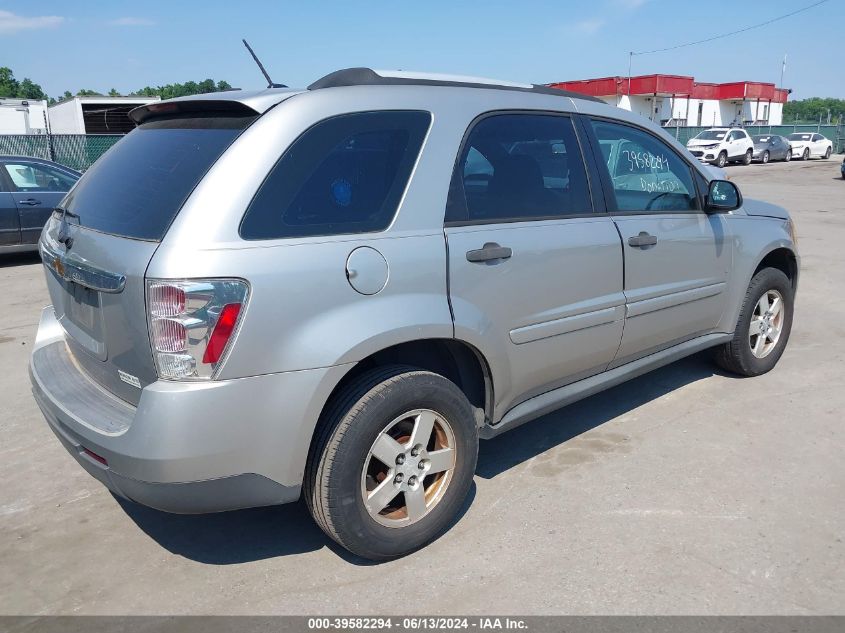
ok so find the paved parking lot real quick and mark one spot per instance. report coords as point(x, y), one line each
point(684, 491)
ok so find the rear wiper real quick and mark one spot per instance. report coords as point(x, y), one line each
point(64, 237)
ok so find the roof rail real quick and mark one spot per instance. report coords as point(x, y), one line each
point(370, 77)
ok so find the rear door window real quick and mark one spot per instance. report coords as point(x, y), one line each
point(137, 188)
point(346, 174)
point(34, 177)
point(519, 167)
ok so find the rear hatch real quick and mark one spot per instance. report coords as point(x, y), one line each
point(97, 246)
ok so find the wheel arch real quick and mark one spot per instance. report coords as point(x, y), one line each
point(454, 359)
point(783, 259)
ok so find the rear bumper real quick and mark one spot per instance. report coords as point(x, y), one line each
point(187, 447)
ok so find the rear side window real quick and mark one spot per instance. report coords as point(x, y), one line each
point(346, 174)
point(137, 188)
point(38, 178)
point(519, 167)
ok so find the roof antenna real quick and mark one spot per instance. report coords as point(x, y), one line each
point(270, 83)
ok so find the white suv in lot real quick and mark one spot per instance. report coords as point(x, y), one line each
point(720, 145)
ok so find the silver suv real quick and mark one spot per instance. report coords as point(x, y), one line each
point(334, 292)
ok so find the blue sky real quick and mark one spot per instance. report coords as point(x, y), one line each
point(128, 45)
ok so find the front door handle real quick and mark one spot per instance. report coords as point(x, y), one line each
point(489, 252)
point(643, 239)
point(32, 202)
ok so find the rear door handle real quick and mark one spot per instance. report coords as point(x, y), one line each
point(643, 239)
point(32, 202)
point(489, 252)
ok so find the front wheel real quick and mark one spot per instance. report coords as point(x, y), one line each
point(827, 154)
point(722, 160)
point(806, 154)
point(746, 159)
point(763, 327)
point(765, 157)
point(393, 461)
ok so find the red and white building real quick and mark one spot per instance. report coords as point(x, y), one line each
point(680, 100)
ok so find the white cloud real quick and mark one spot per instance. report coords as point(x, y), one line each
point(11, 23)
point(589, 26)
point(130, 21)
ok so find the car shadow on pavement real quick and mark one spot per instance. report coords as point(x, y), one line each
point(18, 259)
point(536, 437)
point(243, 536)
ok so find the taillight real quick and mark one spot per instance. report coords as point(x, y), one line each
point(192, 324)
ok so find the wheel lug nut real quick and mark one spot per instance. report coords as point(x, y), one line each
point(412, 480)
point(421, 465)
point(398, 478)
point(415, 451)
point(400, 459)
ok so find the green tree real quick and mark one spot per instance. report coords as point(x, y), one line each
point(809, 110)
point(114, 93)
point(88, 93)
point(8, 83)
point(14, 89)
point(188, 88)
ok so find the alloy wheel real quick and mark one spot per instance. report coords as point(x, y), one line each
point(766, 324)
point(408, 468)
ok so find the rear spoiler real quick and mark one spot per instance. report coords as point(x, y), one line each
point(199, 107)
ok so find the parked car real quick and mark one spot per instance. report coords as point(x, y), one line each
point(771, 147)
point(721, 145)
point(257, 295)
point(842, 168)
point(805, 145)
point(29, 190)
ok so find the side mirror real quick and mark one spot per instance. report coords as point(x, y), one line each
point(722, 196)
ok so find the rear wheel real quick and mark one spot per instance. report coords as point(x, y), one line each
point(746, 159)
point(722, 160)
point(765, 157)
point(788, 155)
point(763, 327)
point(393, 462)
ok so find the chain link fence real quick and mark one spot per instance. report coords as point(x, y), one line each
point(78, 151)
point(835, 133)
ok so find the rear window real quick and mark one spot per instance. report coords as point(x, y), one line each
point(137, 188)
point(346, 174)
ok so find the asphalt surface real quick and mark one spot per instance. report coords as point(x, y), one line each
point(685, 491)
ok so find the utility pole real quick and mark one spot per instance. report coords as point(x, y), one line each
point(782, 70)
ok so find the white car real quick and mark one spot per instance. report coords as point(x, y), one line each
point(805, 145)
point(721, 145)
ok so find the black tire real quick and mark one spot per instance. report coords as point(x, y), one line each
point(788, 157)
point(736, 356)
point(827, 154)
point(353, 420)
point(806, 154)
point(765, 158)
point(722, 160)
point(746, 159)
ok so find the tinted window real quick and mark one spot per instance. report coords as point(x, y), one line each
point(518, 167)
point(35, 177)
point(647, 175)
point(139, 185)
point(346, 174)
